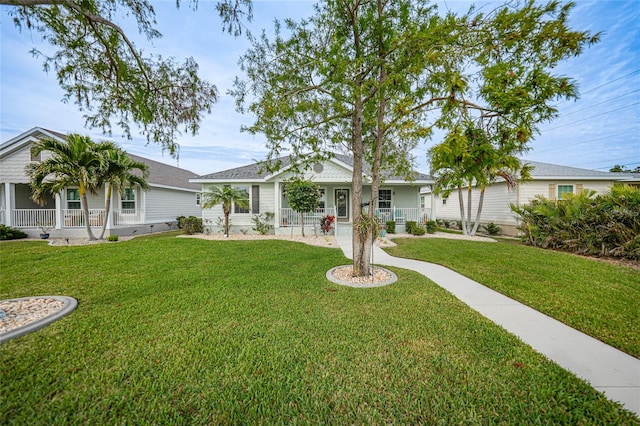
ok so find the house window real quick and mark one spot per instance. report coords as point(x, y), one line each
point(255, 199)
point(322, 199)
point(128, 199)
point(444, 201)
point(384, 198)
point(37, 157)
point(198, 198)
point(73, 199)
point(422, 201)
point(564, 189)
point(237, 208)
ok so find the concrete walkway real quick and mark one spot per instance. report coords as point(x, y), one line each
point(607, 369)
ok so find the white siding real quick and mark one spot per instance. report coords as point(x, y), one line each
point(497, 199)
point(12, 166)
point(330, 173)
point(240, 220)
point(530, 190)
point(164, 205)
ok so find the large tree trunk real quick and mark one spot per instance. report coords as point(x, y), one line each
point(361, 245)
point(479, 212)
point(226, 222)
point(85, 210)
point(469, 192)
point(107, 208)
point(463, 221)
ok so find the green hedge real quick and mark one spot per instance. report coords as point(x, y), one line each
point(603, 225)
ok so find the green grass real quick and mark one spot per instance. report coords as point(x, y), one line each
point(596, 298)
point(186, 331)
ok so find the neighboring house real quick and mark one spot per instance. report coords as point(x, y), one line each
point(397, 199)
point(135, 211)
point(548, 180)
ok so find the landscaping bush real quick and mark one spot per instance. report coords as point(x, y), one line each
point(418, 230)
point(410, 226)
point(391, 226)
point(603, 225)
point(263, 223)
point(112, 238)
point(190, 225)
point(492, 228)
point(431, 226)
point(8, 233)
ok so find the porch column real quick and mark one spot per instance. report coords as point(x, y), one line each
point(276, 197)
point(8, 187)
point(59, 215)
point(434, 215)
point(143, 204)
point(109, 218)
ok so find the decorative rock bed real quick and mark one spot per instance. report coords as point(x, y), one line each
point(27, 314)
point(343, 275)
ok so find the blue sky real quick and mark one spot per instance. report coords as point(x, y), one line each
point(599, 130)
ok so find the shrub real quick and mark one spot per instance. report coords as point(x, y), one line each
point(431, 226)
point(263, 222)
point(326, 224)
point(603, 225)
point(112, 238)
point(410, 226)
point(8, 233)
point(492, 229)
point(418, 230)
point(190, 225)
point(391, 226)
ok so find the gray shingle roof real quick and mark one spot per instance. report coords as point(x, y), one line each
point(546, 170)
point(166, 175)
point(159, 173)
point(252, 171)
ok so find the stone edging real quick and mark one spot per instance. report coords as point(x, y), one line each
point(335, 280)
point(69, 305)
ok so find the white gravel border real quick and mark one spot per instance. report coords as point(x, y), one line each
point(69, 305)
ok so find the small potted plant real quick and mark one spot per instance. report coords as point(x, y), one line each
point(45, 228)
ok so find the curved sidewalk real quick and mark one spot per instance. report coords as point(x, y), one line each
point(607, 369)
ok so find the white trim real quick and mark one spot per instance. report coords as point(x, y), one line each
point(177, 188)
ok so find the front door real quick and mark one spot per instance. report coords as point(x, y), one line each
point(342, 203)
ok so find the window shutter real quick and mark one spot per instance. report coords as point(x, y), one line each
point(552, 192)
point(255, 199)
point(579, 188)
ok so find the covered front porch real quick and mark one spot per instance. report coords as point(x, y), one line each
point(66, 218)
point(397, 203)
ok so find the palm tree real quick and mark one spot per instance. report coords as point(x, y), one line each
point(227, 196)
point(76, 162)
point(118, 172)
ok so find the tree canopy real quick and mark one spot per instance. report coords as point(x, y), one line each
point(111, 80)
point(375, 77)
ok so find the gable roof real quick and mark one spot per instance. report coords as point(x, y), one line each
point(547, 171)
point(160, 174)
point(253, 173)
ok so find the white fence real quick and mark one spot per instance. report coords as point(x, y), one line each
point(402, 215)
point(290, 217)
point(33, 218)
point(72, 218)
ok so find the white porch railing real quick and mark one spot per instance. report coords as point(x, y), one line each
point(126, 217)
point(401, 215)
point(289, 217)
point(32, 218)
point(74, 218)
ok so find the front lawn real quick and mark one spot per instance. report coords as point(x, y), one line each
point(597, 298)
point(187, 331)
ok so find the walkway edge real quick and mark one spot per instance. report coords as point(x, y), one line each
point(607, 369)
